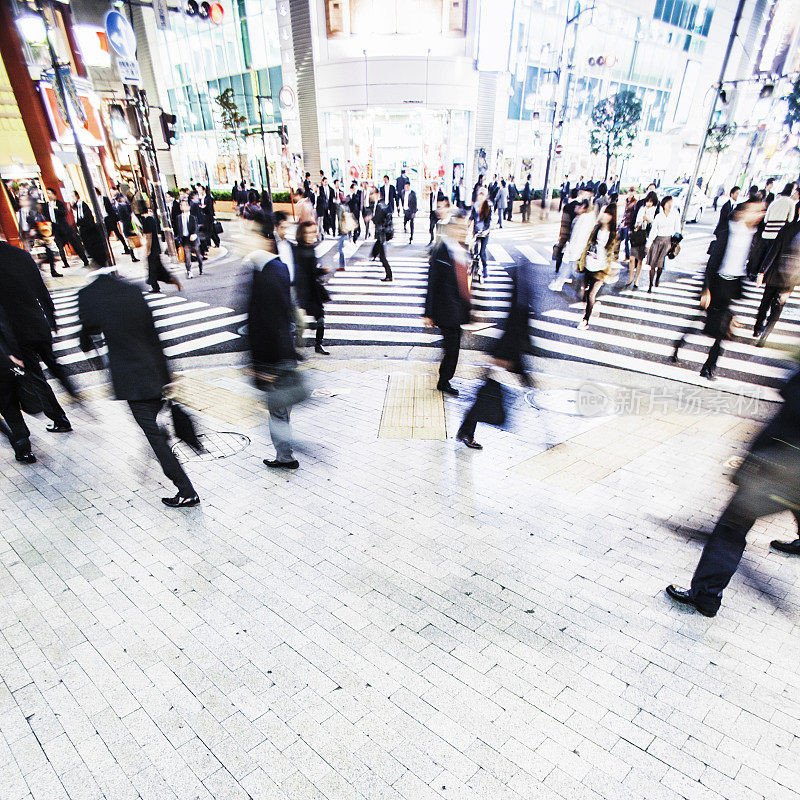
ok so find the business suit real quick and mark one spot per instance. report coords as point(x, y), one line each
point(271, 313)
point(187, 233)
point(63, 232)
point(206, 206)
point(446, 307)
point(136, 360)
point(724, 217)
point(354, 204)
point(111, 222)
point(400, 191)
point(13, 425)
point(382, 220)
point(433, 218)
point(781, 270)
point(409, 212)
point(526, 197)
point(388, 196)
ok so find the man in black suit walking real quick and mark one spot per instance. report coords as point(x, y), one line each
point(63, 232)
point(205, 203)
point(400, 189)
point(139, 370)
point(435, 198)
point(30, 312)
point(12, 425)
point(354, 204)
point(726, 211)
point(111, 222)
point(388, 195)
point(446, 302)
point(187, 233)
point(409, 209)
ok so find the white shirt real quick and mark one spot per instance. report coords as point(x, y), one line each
point(780, 211)
point(737, 251)
point(78, 210)
point(52, 206)
point(664, 225)
point(582, 227)
point(185, 222)
point(285, 254)
point(645, 216)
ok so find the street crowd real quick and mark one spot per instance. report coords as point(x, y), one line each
point(757, 238)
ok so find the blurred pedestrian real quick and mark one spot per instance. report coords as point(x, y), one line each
point(568, 213)
point(436, 196)
point(409, 209)
point(156, 271)
point(308, 281)
point(12, 367)
point(384, 230)
point(139, 371)
point(779, 212)
point(582, 226)
point(659, 241)
point(447, 304)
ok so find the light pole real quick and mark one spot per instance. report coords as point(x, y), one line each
point(737, 18)
point(565, 100)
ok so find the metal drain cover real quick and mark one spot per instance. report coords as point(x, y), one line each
point(215, 444)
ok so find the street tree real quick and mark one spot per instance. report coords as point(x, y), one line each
point(720, 138)
point(793, 106)
point(614, 125)
point(232, 121)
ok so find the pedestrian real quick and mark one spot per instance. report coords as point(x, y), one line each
point(187, 233)
point(384, 230)
point(646, 210)
point(779, 274)
point(156, 271)
point(779, 212)
point(599, 260)
point(323, 198)
point(769, 194)
point(274, 359)
point(526, 196)
point(345, 225)
point(665, 225)
point(44, 233)
point(400, 188)
point(112, 224)
point(205, 203)
point(125, 215)
point(12, 368)
point(725, 276)
point(309, 281)
point(434, 198)
point(726, 211)
point(63, 232)
point(567, 216)
point(501, 202)
point(582, 226)
point(368, 210)
point(480, 218)
point(354, 204)
point(447, 304)
point(409, 209)
point(513, 194)
point(602, 198)
point(139, 371)
point(31, 315)
point(628, 222)
point(388, 195)
point(767, 482)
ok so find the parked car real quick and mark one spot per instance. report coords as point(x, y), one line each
point(699, 202)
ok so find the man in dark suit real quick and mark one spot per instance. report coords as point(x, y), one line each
point(446, 303)
point(382, 218)
point(271, 315)
point(436, 196)
point(31, 315)
point(12, 425)
point(111, 222)
point(526, 197)
point(89, 230)
point(409, 209)
point(354, 204)
point(388, 195)
point(139, 372)
point(63, 232)
point(400, 189)
point(726, 211)
point(324, 206)
point(187, 234)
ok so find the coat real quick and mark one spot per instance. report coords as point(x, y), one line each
point(780, 266)
point(444, 303)
point(8, 345)
point(270, 311)
point(390, 197)
point(311, 294)
point(136, 359)
point(411, 204)
point(24, 297)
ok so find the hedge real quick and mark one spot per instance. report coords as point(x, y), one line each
point(277, 197)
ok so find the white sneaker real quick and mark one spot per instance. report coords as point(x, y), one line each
point(555, 285)
point(583, 324)
point(190, 274)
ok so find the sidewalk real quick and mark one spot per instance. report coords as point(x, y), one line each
point(399, 618)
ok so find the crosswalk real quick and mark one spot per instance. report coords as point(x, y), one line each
point(636, 331)
point(185, 327)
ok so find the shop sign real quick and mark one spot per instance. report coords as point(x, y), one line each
point(161, 11)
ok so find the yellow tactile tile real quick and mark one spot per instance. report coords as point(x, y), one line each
point(413, 408)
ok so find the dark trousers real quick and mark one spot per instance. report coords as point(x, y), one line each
point(772, 302)
point(723, 293)
point(508, 211)
point(725, 546)
point(559, 256)
point(378, 251)
point(468, 424)
point(112, 226)
point(15, 429)
point(32, 354)
point(501, 212)
point(156, 271)
point(451, 346)
point(525, 210)
point(212, 234)
point(71, 237)
point(592, 286)
point(145, 413)
point(411, 229)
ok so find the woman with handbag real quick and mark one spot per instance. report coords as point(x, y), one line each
point(156, 271)
point(308, 280)
point(480, 218)
point(665, 226)
point(643, 219)
point(599, 262)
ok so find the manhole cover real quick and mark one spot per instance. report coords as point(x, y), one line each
point(216, 445)
point(589, 400)
point(320, 392)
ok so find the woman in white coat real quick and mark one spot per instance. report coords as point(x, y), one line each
point(659, 240)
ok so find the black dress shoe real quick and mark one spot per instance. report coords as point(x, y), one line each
point(708, 373)
point(60, 427)
point(758, 331)
point(469, 442)
point(446, 388)
point(321, 350)
point(386, 280)
point(134, 259)
point(685, 596)
point(792, 548)
point(181, 501)
point(26, 458)
point(293, 464)
point(56, 275)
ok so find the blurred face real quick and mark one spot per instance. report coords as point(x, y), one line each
point(309, 234)
point(481, 196)
point(605, 219)
point(457, 229)
point(185, 206)
point(282, 229)
point(442, 209)
point(734, 194)
point(668, 206)
point(752, 213)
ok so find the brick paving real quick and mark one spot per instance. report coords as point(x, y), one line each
point(401, 618)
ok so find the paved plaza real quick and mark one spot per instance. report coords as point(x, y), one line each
point(400, 618)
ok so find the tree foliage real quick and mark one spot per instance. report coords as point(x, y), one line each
point(719, 139)
point(614, 124)
point(232, 121)
point(793, 103)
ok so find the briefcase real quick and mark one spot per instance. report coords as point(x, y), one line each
point(217, 226)
point(184, 426)
point(490, 403)
point(30, 401)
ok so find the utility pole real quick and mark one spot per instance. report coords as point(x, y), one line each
point(60, 89)
point(264, 148)
point(718, 86)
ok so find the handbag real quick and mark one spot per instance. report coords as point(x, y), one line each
point(135, 240)
point(30, 401)
point(490, 403)
point(217, 226)
point(288, 389)
point(592, 263)
point(639, 237)
point(184, 426)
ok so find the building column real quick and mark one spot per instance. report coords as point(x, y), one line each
point(37, 126)
point(306, 86)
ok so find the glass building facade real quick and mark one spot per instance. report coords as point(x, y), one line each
point(198, 61)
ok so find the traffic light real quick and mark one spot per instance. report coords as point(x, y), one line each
point(283, 134)
point(602, 61)
point(205, 11)
point(168, 122)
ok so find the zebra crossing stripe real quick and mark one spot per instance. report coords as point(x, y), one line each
point(199, 344)
point(533, 255)
point(500, 254)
